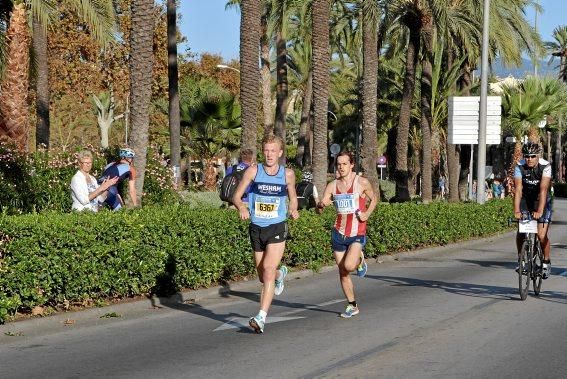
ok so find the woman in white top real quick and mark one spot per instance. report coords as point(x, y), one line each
point(85, 190)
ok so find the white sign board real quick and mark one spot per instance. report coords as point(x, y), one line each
point(463, 119)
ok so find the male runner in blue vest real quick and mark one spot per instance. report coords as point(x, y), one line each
point(267, 209)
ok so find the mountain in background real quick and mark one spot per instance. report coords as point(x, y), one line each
point(527, 68)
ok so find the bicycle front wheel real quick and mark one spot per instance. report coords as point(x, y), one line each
point(537, 267)
point(524, 269)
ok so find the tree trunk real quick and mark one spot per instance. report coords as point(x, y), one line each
point(426, 117)
point(320, 65)
point(42, 85)
point(14, 96)
point(453, 155)
point(369, 102)
point(304, 125)
point(249, 71)
point(465, 158)
point(558, 149)
point(173, 90)
point(141, 65)
point(282, 99)
point(401, 168)
point(266, 77)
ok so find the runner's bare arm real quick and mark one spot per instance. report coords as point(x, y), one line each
point(327, 198)
point(247, 178)
point(291, 194)
point(368, 191)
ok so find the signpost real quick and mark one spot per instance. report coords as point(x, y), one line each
point(464, 118)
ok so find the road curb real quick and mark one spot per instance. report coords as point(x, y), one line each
point(97, 316)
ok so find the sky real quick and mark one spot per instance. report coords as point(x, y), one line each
point(210, 28)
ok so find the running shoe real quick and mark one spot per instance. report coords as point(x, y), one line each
point(280, 283)
point(350, 311)
point(362, 267)
point(546, 270)
point(257, 323)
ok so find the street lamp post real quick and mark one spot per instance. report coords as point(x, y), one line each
point(481, 161)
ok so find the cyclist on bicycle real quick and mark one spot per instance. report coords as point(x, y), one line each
point(533, 196)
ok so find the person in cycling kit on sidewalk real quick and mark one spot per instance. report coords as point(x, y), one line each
point(123, 169)
point(533, 196)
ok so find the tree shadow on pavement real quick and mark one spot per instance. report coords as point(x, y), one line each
point(490, 263)
point(465, 289)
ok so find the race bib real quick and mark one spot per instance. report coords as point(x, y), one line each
point(346, 203)
point(266, 207)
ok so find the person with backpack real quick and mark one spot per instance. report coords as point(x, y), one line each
point(273, 185)
point(234, 175)
point(123, 169)
point(304, 189)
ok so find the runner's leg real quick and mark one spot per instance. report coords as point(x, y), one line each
point(347, 262)
point(266, 267)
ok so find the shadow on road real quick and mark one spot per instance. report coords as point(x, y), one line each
point(465, 289)
point(176, 302)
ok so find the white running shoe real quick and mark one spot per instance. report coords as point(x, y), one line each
point(546, 270)
point(280, 282)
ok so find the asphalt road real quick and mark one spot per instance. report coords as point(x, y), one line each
point(448, 312)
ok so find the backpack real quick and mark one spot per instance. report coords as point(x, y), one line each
point(305, 199)
point(230, 183)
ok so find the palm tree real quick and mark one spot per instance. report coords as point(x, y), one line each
point(249, 71)
point(409, 13)
point(558, 48)
point(14, 96)
point(370, 20)
point(525, 106)
point(173, 88)
point(426, 116)
point(141, 65)
point(321, 57)
point(99, 17)
point(214, 128)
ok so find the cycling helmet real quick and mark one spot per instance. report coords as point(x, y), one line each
point(126, 152)
point(307, 176)
point(531, 148)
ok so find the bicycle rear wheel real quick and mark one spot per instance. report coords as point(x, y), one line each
point(537, 267)
point(524, 269)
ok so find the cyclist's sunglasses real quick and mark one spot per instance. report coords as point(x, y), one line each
point(530, 156)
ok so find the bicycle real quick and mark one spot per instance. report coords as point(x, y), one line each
point(530, 258)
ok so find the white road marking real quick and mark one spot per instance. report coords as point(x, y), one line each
point(242, 322)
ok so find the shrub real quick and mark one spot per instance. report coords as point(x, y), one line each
point(50, 259)
point(39, 181)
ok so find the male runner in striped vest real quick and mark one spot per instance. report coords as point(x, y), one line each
point(354, 200)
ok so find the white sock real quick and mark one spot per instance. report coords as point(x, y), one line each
point(262, 314)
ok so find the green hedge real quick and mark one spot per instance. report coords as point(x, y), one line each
point(51, 259)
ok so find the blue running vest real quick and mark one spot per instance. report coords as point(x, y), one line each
point(268, 198)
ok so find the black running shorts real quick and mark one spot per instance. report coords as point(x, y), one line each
point(260, 237)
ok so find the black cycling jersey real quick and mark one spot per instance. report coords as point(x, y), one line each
point(531, 177)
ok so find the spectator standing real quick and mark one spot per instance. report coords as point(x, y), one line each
point(86, 193)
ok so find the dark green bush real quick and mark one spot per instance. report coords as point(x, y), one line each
point(39, 181)
point(51, 258)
